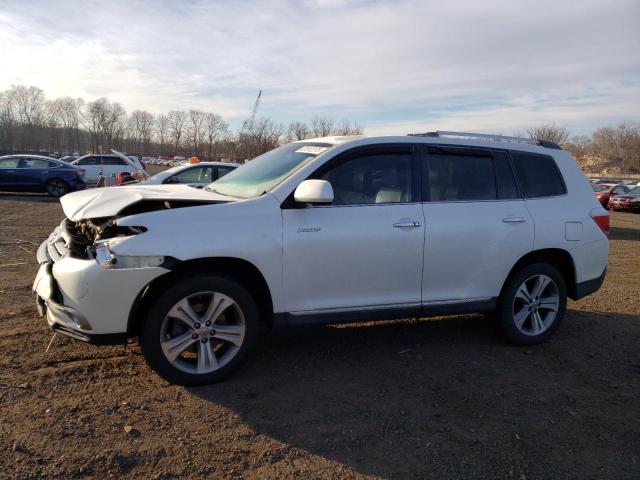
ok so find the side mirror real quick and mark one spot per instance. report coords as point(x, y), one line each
point(314, 191)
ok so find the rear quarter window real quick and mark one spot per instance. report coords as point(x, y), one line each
point(538, 174)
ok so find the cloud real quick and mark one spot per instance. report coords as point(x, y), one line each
point(388, 64)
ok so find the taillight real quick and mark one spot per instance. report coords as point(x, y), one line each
point(602, 220)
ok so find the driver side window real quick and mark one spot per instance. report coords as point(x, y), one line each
point(372, 179)
point(193, 175)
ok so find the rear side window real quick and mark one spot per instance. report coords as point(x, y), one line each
point(538, 174)
point(113, 161)
point(89, 161)
point(458, 177)
point(37, 163)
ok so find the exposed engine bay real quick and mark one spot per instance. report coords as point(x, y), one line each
point(82, 235)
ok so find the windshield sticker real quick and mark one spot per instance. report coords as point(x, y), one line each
point(311, 150)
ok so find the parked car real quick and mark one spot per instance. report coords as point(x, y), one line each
point(34, 173)
point(196, 175)
point(179, 158)
point(629, 201)
point(104, 165)
point(327, 230)
point(604, 191)
point(68, 158)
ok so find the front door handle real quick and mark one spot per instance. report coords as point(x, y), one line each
point(407, 224)
point(514, 219)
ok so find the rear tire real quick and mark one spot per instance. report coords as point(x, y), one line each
point(532, 304)
point(56, 187)
point(200, 330)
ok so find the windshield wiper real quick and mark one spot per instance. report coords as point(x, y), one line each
point(213, 190)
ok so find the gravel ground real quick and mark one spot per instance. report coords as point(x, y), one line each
point(433, 398)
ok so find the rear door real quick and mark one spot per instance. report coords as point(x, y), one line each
point(112, 165)
point(92, 166)
point(476, 223)
point(34, 172)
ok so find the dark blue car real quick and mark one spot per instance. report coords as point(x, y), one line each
point(33, 173)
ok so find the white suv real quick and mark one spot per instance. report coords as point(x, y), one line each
point(325, 231)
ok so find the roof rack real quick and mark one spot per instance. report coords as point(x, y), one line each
point(494, 138)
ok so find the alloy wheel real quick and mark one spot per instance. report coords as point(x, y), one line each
point(535, 305)
point(202, 332)
point(56, 188)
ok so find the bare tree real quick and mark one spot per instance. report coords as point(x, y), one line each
point(105, 122)
point(177, 120)
point(162, 131)
point(140, 126)
point(67, 111)
point(619, 145)
point(298, 131)
point(215, 128)
point(6, 122)
point(196, 130)
point(550, 132)
point(348, 128)
point(321, 126)
point(28, 104)
point(260, 137)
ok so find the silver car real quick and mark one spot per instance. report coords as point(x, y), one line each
point(197, 175)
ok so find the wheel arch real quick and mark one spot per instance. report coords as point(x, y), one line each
point(237, 269)
point(556, 257)
point(51, 179)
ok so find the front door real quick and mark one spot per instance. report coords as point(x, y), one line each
point(363, 251)
point(9, 173)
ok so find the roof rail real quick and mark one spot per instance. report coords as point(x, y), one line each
point(485, 136)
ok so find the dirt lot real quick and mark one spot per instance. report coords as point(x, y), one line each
point(441, 399)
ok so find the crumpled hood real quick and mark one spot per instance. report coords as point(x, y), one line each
point(108, 201)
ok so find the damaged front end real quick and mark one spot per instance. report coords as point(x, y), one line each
point(92, 270)
point(79, 239)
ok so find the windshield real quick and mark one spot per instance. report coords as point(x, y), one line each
point(601, 188)
point(634, 191)
point(264, 173)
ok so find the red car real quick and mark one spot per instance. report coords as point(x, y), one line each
point(628, 201)
point(604, 191)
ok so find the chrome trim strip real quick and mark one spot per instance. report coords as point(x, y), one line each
point(453, 302)
point(354, 309)
point(389, 306)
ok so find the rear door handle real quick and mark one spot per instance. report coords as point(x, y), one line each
point(407, 224)
point(514, 219)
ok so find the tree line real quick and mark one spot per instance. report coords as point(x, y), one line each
point(609, 150)
point(29, 122)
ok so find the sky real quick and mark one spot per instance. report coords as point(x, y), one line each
point(394, 66)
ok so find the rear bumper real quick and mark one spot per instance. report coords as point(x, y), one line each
point(635, 207)
point(588, 287)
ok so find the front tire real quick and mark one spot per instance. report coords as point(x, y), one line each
point(200, 330)
point(532, 304)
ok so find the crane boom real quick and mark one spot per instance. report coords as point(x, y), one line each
point(255, 108)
